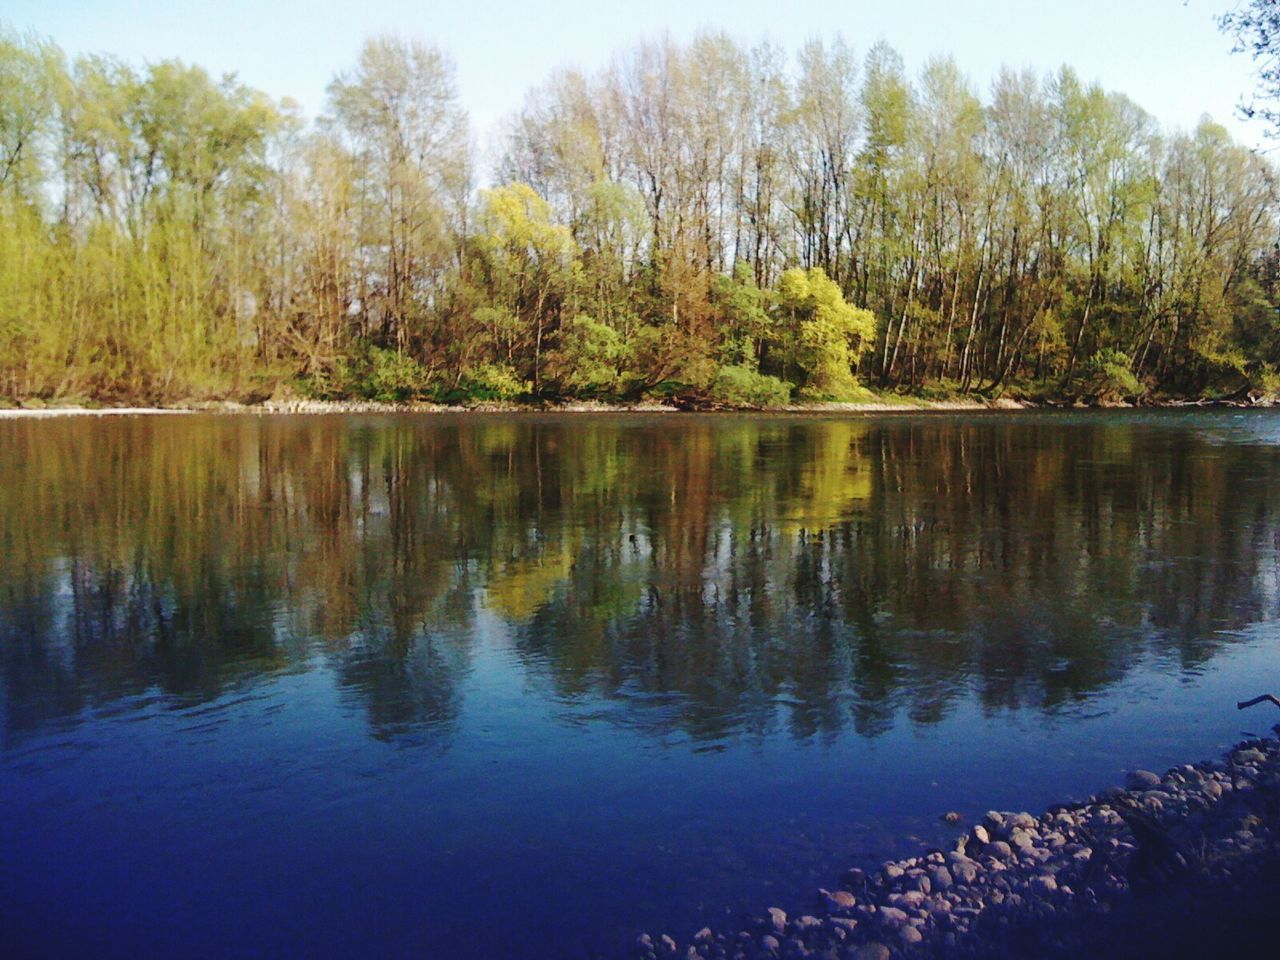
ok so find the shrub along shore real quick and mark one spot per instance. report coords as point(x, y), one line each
point(1173, 865)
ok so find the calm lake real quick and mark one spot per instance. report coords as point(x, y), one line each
point(488, 685)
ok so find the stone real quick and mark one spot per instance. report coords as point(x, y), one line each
point(1022, 839)
point(892, 871)
point(854, 878)
point(1000, 850)
point(704, 935)
point(777, 918)
point(1141, 780)
point(1044, 883)
point(837, 901)
point(951, 817)
point(770, 942)
point(871, 951)
point(979, 833)
point(893, 915)
point(667, 943)
point(911, 935)
point(940, 878)
point(965, 871)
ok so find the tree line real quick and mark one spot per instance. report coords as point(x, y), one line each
point(705, 221)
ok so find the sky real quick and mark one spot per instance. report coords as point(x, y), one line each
point(1167, 55)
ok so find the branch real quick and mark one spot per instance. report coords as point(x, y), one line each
point(1266, 697)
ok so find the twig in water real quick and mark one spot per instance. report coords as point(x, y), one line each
point(1266, 697)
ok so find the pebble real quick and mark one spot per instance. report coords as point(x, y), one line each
point(1013, 867)
point(940, 878)
point(1141, 780)
point(871, 951)
point(838, 900)
point(1000, 849)
point(893, 915)
point(1044, 883)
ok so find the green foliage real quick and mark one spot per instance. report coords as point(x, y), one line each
point(492, 381)
point(590, 359)
point(743, 386)
point(1268, 383)
point(372, 373)
point(747, 323)
point(829, 335)
point(1108, 378)
point(674, 358)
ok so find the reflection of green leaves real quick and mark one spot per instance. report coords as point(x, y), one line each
point(849, 569)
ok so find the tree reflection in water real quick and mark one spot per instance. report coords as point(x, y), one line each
point(718, 576)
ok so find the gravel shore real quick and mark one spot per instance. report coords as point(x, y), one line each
point(1179, 864)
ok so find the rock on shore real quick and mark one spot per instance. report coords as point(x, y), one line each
point(1016, 882)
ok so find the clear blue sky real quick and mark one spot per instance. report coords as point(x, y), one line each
point(1165, 54)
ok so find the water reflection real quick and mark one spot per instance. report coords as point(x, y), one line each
point(716, 576)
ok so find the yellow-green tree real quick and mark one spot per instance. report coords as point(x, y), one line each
point(826, 335)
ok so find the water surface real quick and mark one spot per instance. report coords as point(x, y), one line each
point(463, 687)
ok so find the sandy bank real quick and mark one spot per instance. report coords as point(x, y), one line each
point(368, 406)
point(346, 407)
point(14, 413)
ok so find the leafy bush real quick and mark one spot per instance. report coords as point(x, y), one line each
point(744, 386)
point(1108, 377)
point(829, 335)
point(492, 381)
point(1269, 383)
point(394, 377)
point(371, 373)
point(589, 358)
point(678, 361)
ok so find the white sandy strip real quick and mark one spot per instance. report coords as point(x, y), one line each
point(84, 412)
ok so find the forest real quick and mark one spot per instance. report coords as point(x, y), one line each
point(705, 222)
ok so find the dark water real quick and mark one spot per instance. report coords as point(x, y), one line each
point(523, 686)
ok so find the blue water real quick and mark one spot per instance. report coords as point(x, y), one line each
point(526, 686)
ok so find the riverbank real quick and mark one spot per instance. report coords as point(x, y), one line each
point(1182, 864)
point(306, 406)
